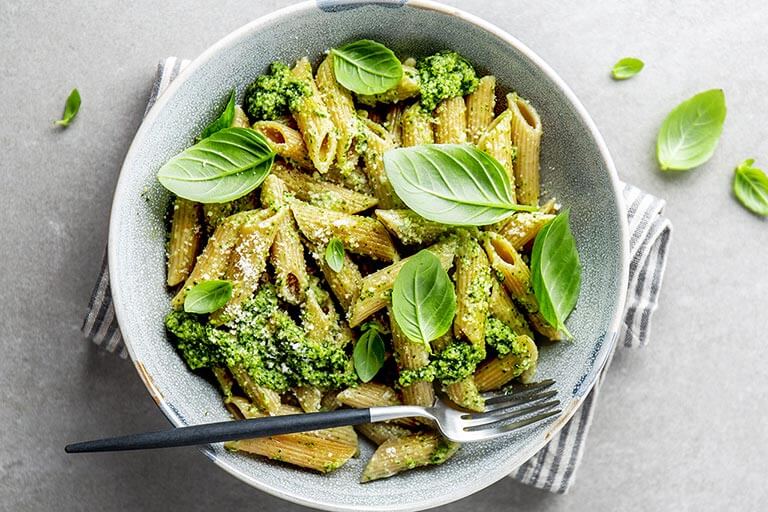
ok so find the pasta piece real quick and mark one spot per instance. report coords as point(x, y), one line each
point(393, 123)
point(373, 394)
point(225, 380)
point(526, 135)
point(473, 288)
point(378, 141)
point(318, 318)
point(502, 307)
point(376, 288)
point(241, 118)
point(215, 213)
point(309, 397)
point(213, 261)
point(345, 284)
point(499, 371)
point(360, 235)
point(416, 126)
point(285, 141)
point(287, 252)
point(508, 264)
point(523, 227)
point(480, 106)
point(314, 121)
point(184, 240)
point(411, 356)
point(410, 227)
point(267, 400)
point(248, 261)
point(451, 121)
point(329, 401)
point(465, 394)
point(322, 193)
point(403, 453)
point(383, 431)
point(342, 110)
point(497, 142)
point(407, 87)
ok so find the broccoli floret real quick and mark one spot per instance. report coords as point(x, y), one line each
point(193, 340)
point(457, 362)
point(444, 75)
point(274, 94)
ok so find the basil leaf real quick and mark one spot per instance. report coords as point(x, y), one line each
point(366, 67)
point(423, 298)
point(688, 136)
point(750, 185)
point(627, 68)
point(556, 271)
point(334, 254)
point(225, 166)
point(454, 184)
point(223, 121)
point(208, 296)
point(368, 355)
point(71, 107)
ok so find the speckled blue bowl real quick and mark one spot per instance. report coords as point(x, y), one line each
point(576, 168)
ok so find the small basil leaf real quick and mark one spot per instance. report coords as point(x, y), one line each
point(225, 166)
point(688, 136)
point(366, 67)
point(208, 296)
point(423, 298)
point(627, 68)
point(334, 255)
point(368, 355)
point(556, 271)
point(454, 184)
point(750, 185)
point(71, 107)
point(223, 121)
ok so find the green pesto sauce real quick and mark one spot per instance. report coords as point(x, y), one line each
point(444, 450)
point(266, 342)
point(274, 94)
point(503, 339)
point(455, 363)
point(445, 75)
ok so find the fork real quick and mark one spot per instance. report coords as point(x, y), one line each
point(506, 411)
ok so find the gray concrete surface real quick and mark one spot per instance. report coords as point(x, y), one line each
point(680, 426)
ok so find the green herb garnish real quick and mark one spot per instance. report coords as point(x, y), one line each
point(223, 121)
point(208, 296)
point(688, 136)
point(334, 255)
point(71, 107)
point(423, 298)
point(454, 184)
point(627, 68)
point(368, 355)
point(221, 168)
point(556, 271)
point(366, 67)
point(750, 185)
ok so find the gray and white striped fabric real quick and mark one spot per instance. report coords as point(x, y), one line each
point(554, 467)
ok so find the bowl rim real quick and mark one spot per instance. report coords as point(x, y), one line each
point(602, 356)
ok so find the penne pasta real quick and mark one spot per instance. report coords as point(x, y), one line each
point(314, 121)
point(473, 287)
point(241, 118)
point(383, 431)
point(285, 142)
point(184, 240)
point(465, 394)
point(215, 213)
point(411, 356)
point(393, 123)
point(411, 228)
point(345, 284)
point(267, 400)
point(404, 453)
point(309, 397)
point(522, 228)
point(526, 136)
point(497, 142)
point(378, 141)
point(360, 235)
point(503, 307)
point(480, 107)
point(416, 126)
point(451, 121)
point(500, 370)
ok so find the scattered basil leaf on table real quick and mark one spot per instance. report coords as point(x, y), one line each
point(368, 355)
point(454, 184)
point(556, 271)
point(423, 298)
point(208, 296)
point(627, 68)
point(750, 185)
point(223, 121)
point(334, 254)
point(366, 67)
point(223, 167)
point(688, 136)
point(71, 107)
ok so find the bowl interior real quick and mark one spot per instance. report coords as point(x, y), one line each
point(575, 168)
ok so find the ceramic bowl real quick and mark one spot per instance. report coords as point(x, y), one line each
point(576, 168)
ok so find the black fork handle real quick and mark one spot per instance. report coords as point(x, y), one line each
point(225, 431)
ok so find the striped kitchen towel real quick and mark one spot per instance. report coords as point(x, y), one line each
point(553, 468)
